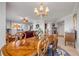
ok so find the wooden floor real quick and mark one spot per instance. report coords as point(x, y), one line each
point(69, 48)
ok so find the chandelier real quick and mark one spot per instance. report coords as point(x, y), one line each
point(25, 20)
point(42, 10)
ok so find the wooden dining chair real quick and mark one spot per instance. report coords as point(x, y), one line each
point(54, 40)
point(19, 35)
point(42, 47)
point(9, 38)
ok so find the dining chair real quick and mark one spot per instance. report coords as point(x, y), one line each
point(54, 40)
point(9, 38)
point(19, 35)
point(42, 47)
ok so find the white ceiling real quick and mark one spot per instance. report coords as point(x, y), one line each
point(26, 9)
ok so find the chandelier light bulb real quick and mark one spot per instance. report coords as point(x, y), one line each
point(36, 10)
point(41, 8)
point(47, 9)
point(37, 14)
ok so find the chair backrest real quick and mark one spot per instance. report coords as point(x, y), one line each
point(9, 38)
point(50, 38)
point(54, 40)
point(20, 35)
point(29, 34)
point(42, 47)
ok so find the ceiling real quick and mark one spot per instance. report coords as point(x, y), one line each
point(57, 10)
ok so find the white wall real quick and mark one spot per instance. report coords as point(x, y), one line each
point(8, 24)
point(78, 24)
point(60, 28)
point(2, 23)
point(66, 26)
point(68, 23)
point(78, 31)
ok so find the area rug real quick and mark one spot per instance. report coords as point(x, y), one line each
point(61, 52)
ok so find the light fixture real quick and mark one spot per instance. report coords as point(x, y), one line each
point(16, 26)
point(25, 20)
point(42, 10)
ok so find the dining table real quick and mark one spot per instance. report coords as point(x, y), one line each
point(24, 47)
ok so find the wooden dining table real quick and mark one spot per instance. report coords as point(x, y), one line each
point(24, 47)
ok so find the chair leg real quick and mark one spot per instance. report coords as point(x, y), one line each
point(65, 43)
point(74, 44)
